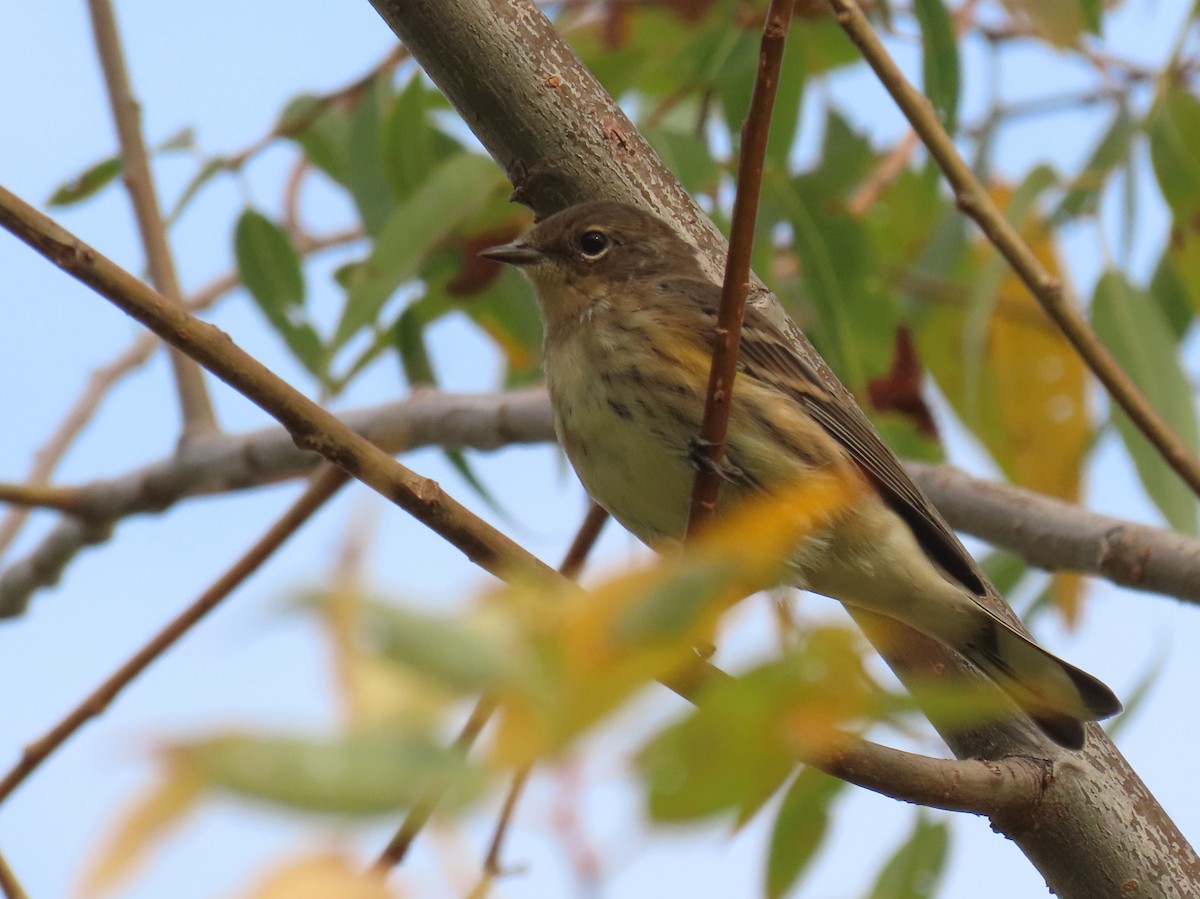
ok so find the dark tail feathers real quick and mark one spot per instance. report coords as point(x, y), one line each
point(1059, 697)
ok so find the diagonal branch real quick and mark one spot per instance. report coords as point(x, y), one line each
point(324, 485)
point(134, 356)
point(311, 426)
point(1048, 289)
point(194, 402)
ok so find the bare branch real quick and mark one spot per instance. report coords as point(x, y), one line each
point(198, 417)
point(1001, 790)
point(39, 496)
point(974, 200)
point(727, 336)
point(324, 485)
point(9, 885)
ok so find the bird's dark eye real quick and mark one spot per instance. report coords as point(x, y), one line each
point(594, 244)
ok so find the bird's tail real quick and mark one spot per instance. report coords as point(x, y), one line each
point(1059, 697)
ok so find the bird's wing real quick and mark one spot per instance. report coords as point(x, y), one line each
point(768, 356)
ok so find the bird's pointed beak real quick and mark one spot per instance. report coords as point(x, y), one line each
point(512, 254)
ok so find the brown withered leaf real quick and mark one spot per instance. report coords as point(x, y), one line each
point(900, 389)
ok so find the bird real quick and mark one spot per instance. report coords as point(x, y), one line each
point(628, 327)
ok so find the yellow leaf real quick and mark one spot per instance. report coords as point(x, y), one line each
point(143, 825)
point(322, 877)
point(594, 649)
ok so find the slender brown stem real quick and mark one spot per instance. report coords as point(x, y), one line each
point(9, 885)
point(585, 539)
point(418, 816)
point(39, 496)
point(973, 199)
point(728, 335)
point(194, 402)
point(324, 484)
point(395, 851)
point(491, 864)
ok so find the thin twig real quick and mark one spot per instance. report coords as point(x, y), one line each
point(323, 486)
point(736, 284)
point(39, 496)
point(585, 539)
point(194, 402)
point(9, 885)
point(975, 202)
point(395, 851)
point(418, 816)
point(491, 864)
point(102, 380)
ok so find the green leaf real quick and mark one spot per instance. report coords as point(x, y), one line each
point(1004, 569)
point(322, 131)
point(1110, 152)
point(785, 120)
point(1173, 297)
point(270, 269)
point(940, 61)
point(357, 774)
point(269, 265)
point(408, 140)
point(183, 139)
point(673, 607)
point(856, 318)
point(90, 181)
point(915, 868)
point(1174, 131)
point(687, 155)
point(1138, 335)
point(364, 176)
point(720, 758)
point(800, 828)
point(449, 654)
point(1093, 15)
point(451, 195)
point(205, 174)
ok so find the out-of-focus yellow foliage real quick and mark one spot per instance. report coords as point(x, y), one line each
point(598, 647)
point(145, 822)
point(321, 877)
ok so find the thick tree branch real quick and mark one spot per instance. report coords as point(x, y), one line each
point(974, 200)
point(194, 402)
point(1003, 790)
point(238, 462)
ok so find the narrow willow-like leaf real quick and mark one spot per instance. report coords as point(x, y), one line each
point(939, 63)
point(1136, 332)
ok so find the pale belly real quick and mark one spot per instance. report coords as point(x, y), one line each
point(641, 476)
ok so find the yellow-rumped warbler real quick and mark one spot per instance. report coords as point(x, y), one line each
point(629, 319)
